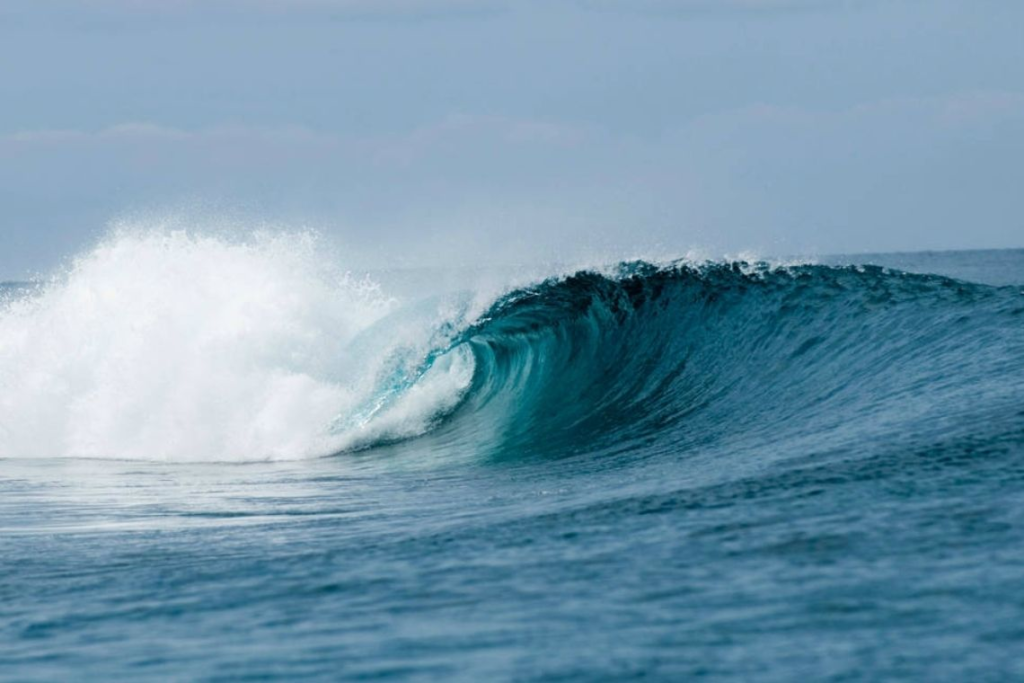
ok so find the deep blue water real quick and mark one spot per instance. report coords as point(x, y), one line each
point(725, 472)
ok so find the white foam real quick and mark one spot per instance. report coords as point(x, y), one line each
point(170, 345)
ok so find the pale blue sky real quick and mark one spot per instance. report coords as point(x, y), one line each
point(457, 129)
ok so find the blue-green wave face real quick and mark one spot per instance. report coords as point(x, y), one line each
point(651, 359)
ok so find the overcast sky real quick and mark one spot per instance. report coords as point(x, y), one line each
point(434, 129)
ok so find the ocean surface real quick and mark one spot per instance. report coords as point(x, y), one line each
point(226, 460)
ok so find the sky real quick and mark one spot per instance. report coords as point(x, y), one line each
point(427, 131)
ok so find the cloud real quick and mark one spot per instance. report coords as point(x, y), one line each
point(458, 129)
point(142, 162)
point(466, 140)
point(349, 9)
point(962, 111)
point(107, 10)
point(689, 7)
point(982, 108)
point(154, 148)
point(51, 137)
point(452, 131)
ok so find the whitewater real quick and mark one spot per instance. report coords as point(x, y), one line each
point(229, 457)
point(174, 346)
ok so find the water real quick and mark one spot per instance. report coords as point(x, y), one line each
point(225, 460)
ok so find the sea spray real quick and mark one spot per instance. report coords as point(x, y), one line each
point(173, 345)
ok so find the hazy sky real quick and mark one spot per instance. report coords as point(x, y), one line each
point(435, 129)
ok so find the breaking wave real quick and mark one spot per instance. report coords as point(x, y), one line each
point(173, 346)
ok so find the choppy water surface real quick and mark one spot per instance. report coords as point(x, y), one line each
point(265, 470)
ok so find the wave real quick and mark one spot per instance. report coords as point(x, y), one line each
point(173, 346)
point(648, 359)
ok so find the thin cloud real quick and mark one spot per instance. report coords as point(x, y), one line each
point(149, 133)
point(110, 9)
point(690, 7)
point(454, 131)
point(389, 8)
point(958, 110)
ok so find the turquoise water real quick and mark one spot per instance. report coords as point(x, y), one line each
point(729, 471)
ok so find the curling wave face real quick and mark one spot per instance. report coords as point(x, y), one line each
point(176, 347)
point(650, 359)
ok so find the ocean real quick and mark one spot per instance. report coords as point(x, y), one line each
point(236, 460)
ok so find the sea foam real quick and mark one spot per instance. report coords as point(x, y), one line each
point(171, 345)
